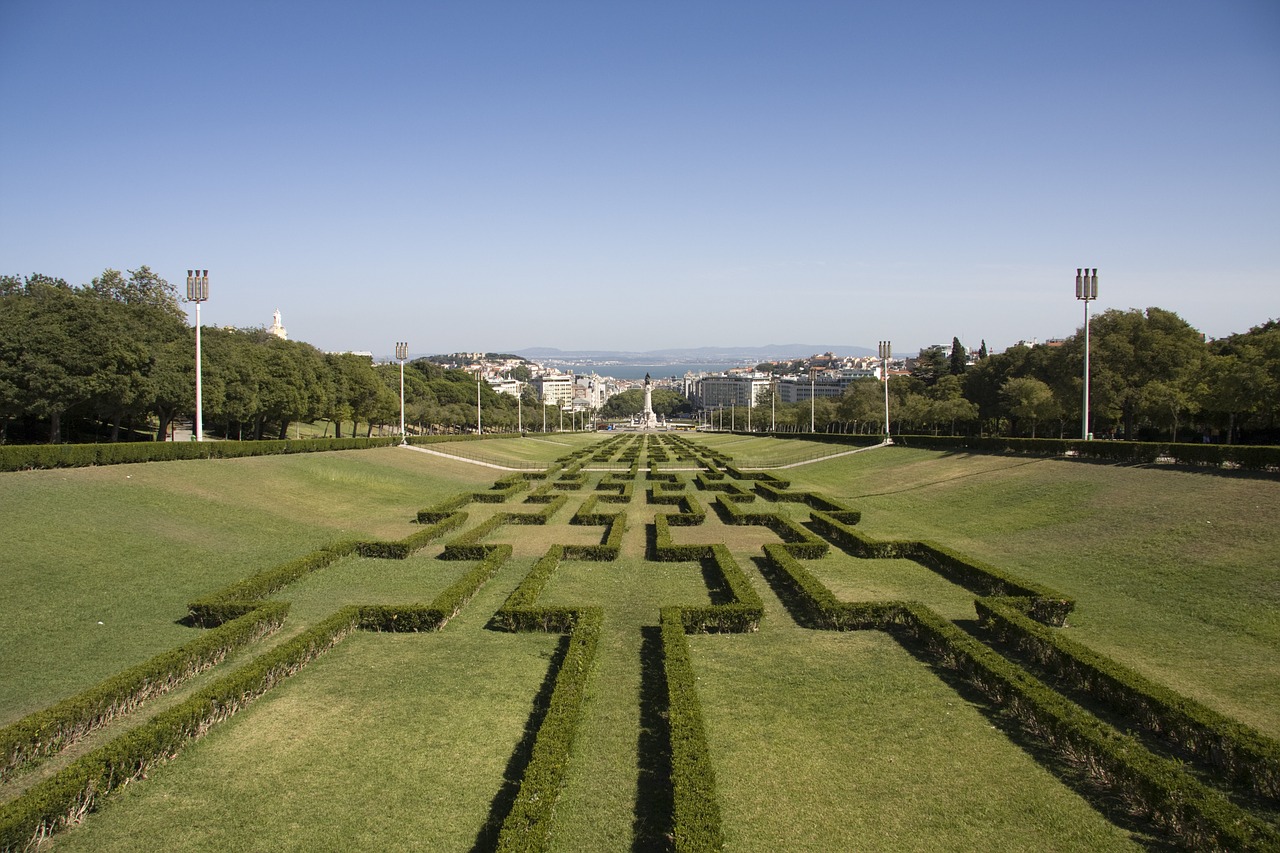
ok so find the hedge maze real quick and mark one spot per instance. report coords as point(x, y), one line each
point(1187, 775)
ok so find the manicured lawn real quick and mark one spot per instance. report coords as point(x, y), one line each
point(128, 546)
point(1175, 573)
point(819, 740)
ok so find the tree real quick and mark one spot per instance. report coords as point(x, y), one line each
point(1131, 349)
point(959, 361)
point(930, 364)
point(1030, 399)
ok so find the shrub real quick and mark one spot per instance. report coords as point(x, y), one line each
point(528, 825)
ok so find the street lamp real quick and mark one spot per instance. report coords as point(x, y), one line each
point(886, 352)
point(813, 400)
point(402, 352)
point(1086, 292)
point(479, 429)
point(197, 292)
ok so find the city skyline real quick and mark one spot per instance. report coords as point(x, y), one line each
point(502, 177)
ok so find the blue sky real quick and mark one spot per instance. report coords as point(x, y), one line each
point(607, 175)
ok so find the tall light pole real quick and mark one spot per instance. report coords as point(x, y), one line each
point(479, 429)
point(773, 406)
point(813, 400)
point(197, 292)
point(1086, 292)
point(402, 352)
point(886, 352)
point(520, 408)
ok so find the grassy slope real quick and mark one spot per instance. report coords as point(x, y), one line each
point(1175, 572)
point(130, 545)
point(840, 738)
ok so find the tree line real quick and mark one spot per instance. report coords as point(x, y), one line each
point(115, 359)
point(1152, 376)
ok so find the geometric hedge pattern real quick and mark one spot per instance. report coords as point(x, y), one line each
point(1139, 751)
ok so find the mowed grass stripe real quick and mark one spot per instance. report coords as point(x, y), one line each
point(1174, 572)
point(844, 741)
point(390, 741)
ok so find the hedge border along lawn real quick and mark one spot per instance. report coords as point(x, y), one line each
point(1044, 604)
point(1191, 812)
point(24, 457)
point(69, 794)
point(1236, 754)
point(45, 733)
point(693, 783)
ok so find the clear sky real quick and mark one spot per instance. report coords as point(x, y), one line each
point(610, 175)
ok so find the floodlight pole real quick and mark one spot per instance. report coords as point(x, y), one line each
point(813, 400)
point(773, 406)
point(479, 428)
point(402, 352)
point(886, 352)
point(197, 292)
point(1086, 292)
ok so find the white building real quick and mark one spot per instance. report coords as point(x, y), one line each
point(506, 386)
point(733, 389)
point(801, 389)
point(554, 389)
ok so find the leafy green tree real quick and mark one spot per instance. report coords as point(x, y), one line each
point(1131, 349)
point(959, 360)
point(1029, 399)
point(930, 364)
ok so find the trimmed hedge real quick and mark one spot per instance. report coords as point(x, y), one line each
point(528, 825)
point(799, 542)
point(1237, 754)
point(434, 616)
point(1187, 810)
point(1159, 789)
point(1251, 457)
point(28, 456)
point(1045, 604)
point(65, 797)
point(813, 500)
point(401, 549)
point(743, 612)
point(53, 729)
point(693, 783)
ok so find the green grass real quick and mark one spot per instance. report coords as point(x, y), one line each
point(129, 545)
point(387, 742)
point(828, 741)
point(820, 740)
point(1175, 573)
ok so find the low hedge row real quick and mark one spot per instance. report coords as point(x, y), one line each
point(798, 541)
point(1045, 604)
point(1235, 753)
point(446, 605)
point(444, 509)
point(607, 550)
point(693, 782)
point(528, 825)
point(1252, 457)
point(814, 500)
point(666, 551)
point(520, 611)
point(1187, 810)
point(47, 732)
point(28, 456)
point(416, 541)
point(75, 790)
point(741, 614)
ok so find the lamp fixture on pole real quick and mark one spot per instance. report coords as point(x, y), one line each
point(402, 352)
point(197, 292)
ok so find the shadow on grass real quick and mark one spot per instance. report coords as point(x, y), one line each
point(653, 827)
point(1110, 806)
point(487, 838)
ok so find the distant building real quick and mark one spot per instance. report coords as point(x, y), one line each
point(737, 389)
point(797, 389)
point(277, 329)
point(554, 389)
